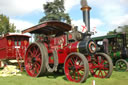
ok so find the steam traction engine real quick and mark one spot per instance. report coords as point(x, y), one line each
point(74, 51)
point(117, 47)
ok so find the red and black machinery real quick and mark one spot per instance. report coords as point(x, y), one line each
point(13, 46)
point(58, 48)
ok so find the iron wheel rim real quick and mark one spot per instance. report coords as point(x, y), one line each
point(100, 66)
point(121, 65)
point(76, 68)
point(33, 60)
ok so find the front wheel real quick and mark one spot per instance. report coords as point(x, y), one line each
point(76, 67)
point(101, 65)
point(121, 65)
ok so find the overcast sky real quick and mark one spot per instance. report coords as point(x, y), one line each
point(106, 15)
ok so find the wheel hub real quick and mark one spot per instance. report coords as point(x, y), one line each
point(72, 68)
point(33, 60)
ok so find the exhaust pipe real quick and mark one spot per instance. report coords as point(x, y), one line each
point(86, 17)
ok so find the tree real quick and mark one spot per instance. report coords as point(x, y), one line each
point(5, 25)
point(111, 32)
point(55, 11)
point(120, 29)
point(124, 28)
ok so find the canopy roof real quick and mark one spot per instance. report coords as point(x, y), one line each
point(49, 28)
point(108, 36)
point(18, 35)
point(15, 34)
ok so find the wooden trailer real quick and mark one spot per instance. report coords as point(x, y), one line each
point(13, 46)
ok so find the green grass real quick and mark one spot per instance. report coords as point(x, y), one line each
point(117, 78)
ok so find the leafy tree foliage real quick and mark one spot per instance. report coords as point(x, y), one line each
point(120, 29)
point(111, 32)
point(55, 11)
point(5, 25)
point(124, 28)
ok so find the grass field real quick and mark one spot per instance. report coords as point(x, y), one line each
point(117, 78)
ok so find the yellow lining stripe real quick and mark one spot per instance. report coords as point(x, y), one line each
point(78, 47)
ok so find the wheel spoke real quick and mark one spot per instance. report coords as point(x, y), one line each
point(38, 55)
point(79, 74)
point(33, 69)
point(105, 72)
point(99, 73)
point(37, 68)
point(38, 65)
point(30, 52)
point(69, 66)
point(29, 66)
point(70, 61)
point(106, 68)
point(74, 75)
point(76, 59)
point(95, 70)
point(102, 61)
point(102, 74)
point(36, 50)
point(29, 60)
point(95, 66)
point(38, 60)
point(81, 68)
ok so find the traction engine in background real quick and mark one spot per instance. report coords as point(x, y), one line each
point(117, 47)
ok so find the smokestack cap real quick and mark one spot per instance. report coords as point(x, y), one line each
point(84, 3)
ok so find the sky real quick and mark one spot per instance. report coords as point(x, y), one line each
point(106, 15)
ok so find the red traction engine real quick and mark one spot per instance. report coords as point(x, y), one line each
point(58, 48)
point(13, 46)
point(61, 46)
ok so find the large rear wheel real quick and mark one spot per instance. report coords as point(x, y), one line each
point(35, 60)
point(101, 66)
point(76, 67)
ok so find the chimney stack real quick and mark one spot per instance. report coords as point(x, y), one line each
point(86, 15)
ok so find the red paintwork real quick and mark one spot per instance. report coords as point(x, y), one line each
point(8, 44)
point(62, 47)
